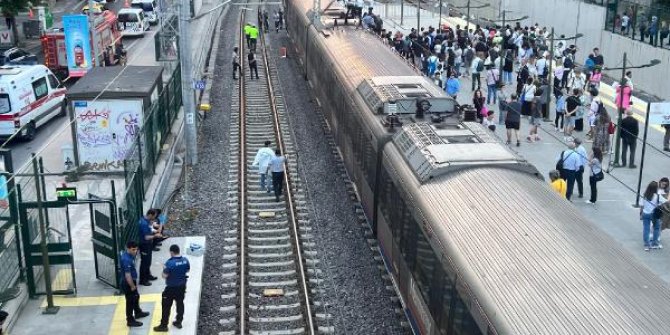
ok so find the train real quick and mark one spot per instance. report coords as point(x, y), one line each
point(474, 238)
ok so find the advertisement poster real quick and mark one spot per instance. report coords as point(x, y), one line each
point(659, 113)
point(77, 44)
point(105, 130)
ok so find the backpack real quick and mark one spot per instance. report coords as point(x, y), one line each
point(589, 64)
point(567, 63)
point(601, 108)
point(559, 164)
point(480, 66)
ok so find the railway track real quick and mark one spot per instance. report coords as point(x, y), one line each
point(270, 273)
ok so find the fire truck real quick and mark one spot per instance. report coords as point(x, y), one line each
point(53, 43)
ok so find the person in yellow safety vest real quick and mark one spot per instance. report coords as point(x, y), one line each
point(253, 35)
point(247, 28)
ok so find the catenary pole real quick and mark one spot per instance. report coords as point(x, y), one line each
point(644, 149)
point(185, 61)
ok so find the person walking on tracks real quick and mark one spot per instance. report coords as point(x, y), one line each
point(253, 37)
point(236, 63)
point(276, 166)
point(129, 286)
point(174, 272)
point(253, 66)
point(247, 33)
point(147, 236)
point(262, 160)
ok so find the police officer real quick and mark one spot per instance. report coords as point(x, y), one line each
point(129, 286)
point(147, 236)
point(174, 272)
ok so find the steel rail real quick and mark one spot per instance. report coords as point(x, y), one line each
point(289, 197)
point(242, 178)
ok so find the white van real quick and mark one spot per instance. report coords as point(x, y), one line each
point(30, 96)
point(149, 7)
point(132, 22)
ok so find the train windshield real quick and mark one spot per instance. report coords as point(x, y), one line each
point(437, 105)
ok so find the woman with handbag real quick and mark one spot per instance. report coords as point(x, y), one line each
point(596, 166)
point(650, 213)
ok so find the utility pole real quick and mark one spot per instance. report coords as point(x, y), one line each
point(94, 33)
point(439, 25)
point(418, 18)
point(185, 61)
point(402, 11)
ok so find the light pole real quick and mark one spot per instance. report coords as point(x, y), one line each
point(644, 149)
point(468, 7)
point(550, 81)
point(624, 68)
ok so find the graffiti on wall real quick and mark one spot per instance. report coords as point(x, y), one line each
point(105, 130)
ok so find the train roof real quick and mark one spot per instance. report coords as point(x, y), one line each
point(360, 55)
point(534, 262)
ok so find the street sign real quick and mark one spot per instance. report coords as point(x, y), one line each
point(659, 113)
point(200, 85)
point(190, 118)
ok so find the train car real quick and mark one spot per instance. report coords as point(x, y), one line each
point(475, 240)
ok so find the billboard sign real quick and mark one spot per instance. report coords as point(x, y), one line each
point(77, 44)
point(105, 131)
point(659, 113)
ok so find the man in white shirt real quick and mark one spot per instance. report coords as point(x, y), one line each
point(276, 166)
point(262, 160)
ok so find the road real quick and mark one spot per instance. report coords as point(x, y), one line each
point(52, 136)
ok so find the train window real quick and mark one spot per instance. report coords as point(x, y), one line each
point(463, 323)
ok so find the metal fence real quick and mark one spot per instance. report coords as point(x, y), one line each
point(140, 162)
point(645, 23)
point(10, 244)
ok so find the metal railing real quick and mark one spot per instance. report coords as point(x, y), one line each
point(648, 24)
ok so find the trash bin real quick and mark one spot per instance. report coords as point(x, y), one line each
point(31, 28)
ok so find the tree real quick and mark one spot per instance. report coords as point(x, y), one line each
point(10, 9)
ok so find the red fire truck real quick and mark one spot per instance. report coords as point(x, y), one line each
point(53, 43)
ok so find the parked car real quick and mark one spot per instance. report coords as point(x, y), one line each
point(17, 56)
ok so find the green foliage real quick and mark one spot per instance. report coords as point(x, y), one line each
point(12, 7)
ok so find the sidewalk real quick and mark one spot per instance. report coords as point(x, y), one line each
point(613, 213)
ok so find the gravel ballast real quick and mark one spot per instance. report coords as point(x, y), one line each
point(353, 287)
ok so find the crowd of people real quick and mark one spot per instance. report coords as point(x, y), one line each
point(492, 57)
point(647, 28)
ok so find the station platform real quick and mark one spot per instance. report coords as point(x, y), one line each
point(614, 212)
point(98, 309)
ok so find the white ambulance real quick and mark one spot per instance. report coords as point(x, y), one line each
point(30, 96)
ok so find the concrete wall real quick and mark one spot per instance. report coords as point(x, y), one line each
point(654, 80)
point(566, 16)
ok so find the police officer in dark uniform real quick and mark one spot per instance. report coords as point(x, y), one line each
point(174, 273)
point(147, 236)
point(129, 286)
